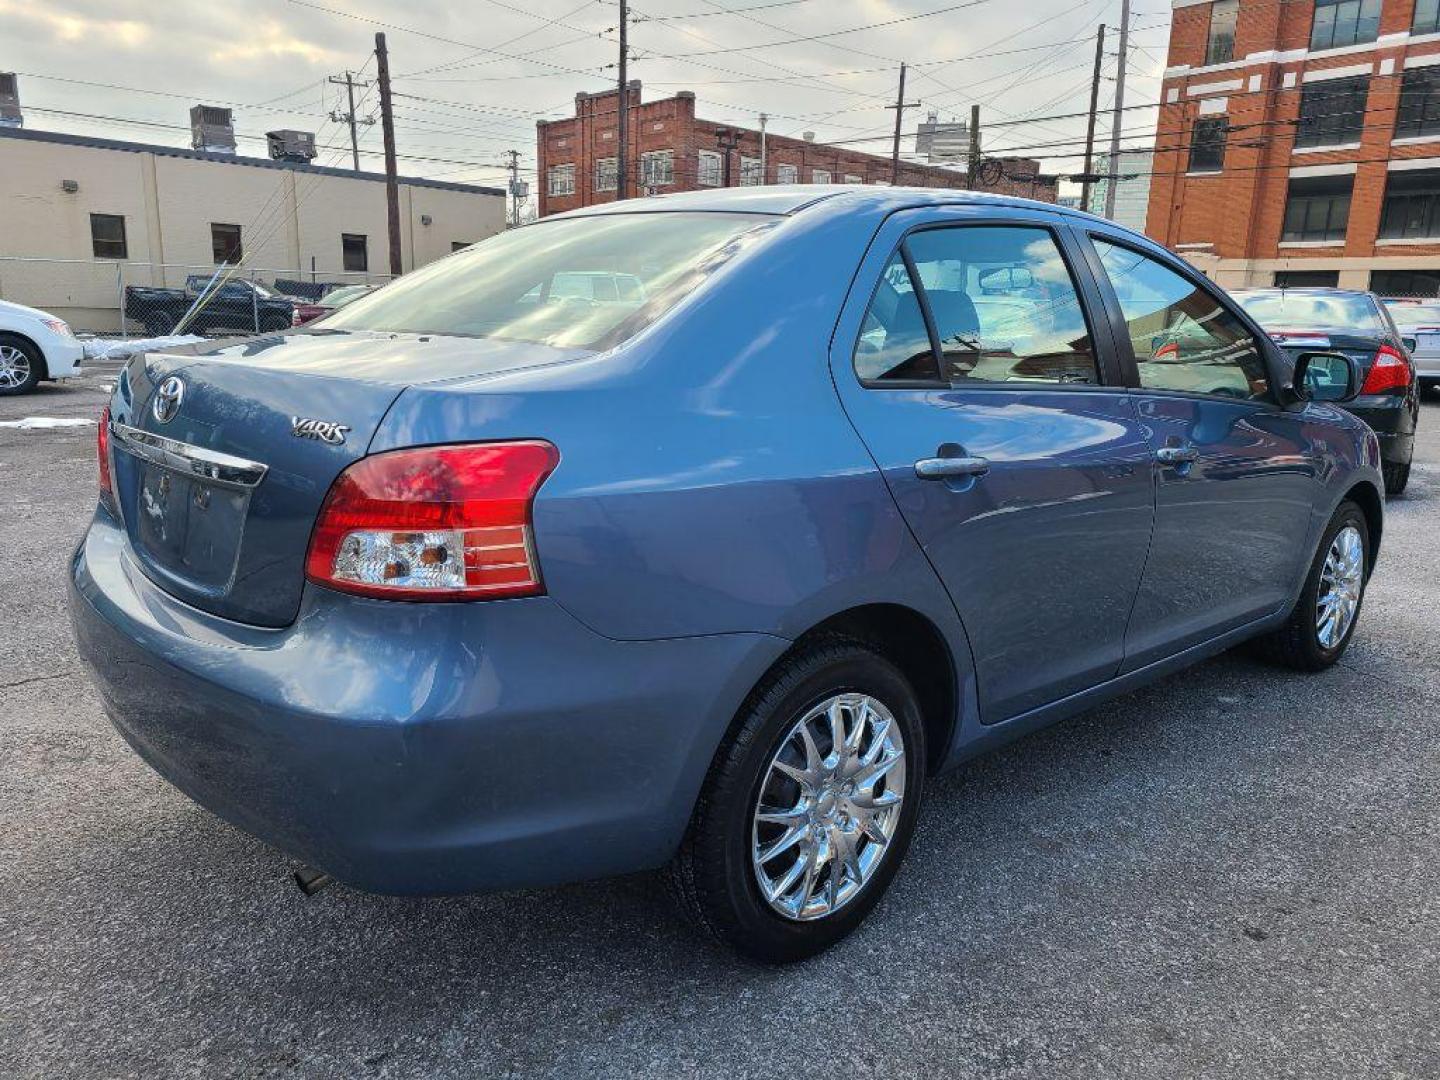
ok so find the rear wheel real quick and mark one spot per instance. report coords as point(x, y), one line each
point(20, 365)
point(808, 808)
point(1319, 629)
point(1396, 474)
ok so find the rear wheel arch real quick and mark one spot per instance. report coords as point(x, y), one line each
point(914, 644)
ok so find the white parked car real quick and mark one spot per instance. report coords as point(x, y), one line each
point(34, 345)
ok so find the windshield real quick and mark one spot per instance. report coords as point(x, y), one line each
point(587, 282)
point(1312, 311)
point(1408, 315)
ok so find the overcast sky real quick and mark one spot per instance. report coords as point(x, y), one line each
point(472, 77)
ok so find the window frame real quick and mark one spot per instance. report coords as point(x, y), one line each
point(1276, 373)
point(1320, 88)
point(238, 250)
point(607, 174)
point(1209, 123)
point(552, 173)
point(1350, 42)
point(364, 253)
point(1231, 8)
point(123, 242)
point(716, 160)
point(1102, 343)
point(795, 179)
point(1425, 189)
point(1432, 23)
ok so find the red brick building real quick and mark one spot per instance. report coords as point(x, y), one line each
point(672, 150)
point(1299, 142)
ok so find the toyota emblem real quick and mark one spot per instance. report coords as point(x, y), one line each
point(167, 399)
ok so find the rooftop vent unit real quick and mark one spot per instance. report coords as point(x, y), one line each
point(287, 145)
point(10, 100)
point(211, 129)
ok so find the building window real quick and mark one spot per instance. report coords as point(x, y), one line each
point(657, 168)
point(711, 172)
point(750, 174)
point(607, 174)
point(225, 243)
point(354, 251)
point(560, 180)
point(1220, 45)
point(460, 245)
point(1207, 144)
point(1332, 112)
point(1419, 113)
point(851, 178)
point(1307, 279)
point(107, 236)
point(1344, 22)
point(1317, 209)
point(790, 174)
point(1427, 17)
point(819, 176)
point(1405, 282)
point(1412, 205)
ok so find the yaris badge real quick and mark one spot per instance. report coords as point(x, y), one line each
point(326, 431)
point(167, 400)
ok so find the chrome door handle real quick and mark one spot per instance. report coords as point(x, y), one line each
point(945, 468)
point(1177, 455)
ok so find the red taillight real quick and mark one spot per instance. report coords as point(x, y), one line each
point(1390, 371)
point(102, 453)
point(435, 523)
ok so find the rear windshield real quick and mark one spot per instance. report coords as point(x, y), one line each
point(580, 283)
point(1408, 315)
point(1313, 311)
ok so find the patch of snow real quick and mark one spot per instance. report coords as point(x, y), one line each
point(120, 348)
point(37, 423)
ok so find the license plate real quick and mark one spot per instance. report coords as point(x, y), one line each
point(190, 528)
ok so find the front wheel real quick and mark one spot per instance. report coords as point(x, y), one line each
point(809, 805)
point(1319, 629)
point(20, 365)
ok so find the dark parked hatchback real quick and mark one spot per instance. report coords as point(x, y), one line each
point(1358, 325)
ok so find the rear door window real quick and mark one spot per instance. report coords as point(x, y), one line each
point(894, 345)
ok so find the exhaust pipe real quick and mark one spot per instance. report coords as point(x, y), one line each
point(311, 881)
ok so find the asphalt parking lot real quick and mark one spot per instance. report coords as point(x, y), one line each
point(1233, 873)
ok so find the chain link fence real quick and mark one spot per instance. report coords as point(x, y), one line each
point(120, 298)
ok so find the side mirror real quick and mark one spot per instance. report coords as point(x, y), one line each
point(1409, 343)
point(1326, 376)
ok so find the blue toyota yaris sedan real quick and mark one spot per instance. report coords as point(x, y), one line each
point(699, 531)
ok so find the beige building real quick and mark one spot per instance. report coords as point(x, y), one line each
point(82, 217)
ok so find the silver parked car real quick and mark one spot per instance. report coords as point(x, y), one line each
point(1419, 323)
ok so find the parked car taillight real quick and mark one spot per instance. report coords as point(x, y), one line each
point(102, 454)
point(434, 523)
point(1390, 371)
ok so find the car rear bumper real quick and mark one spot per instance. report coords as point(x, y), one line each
point(1392, 417)
point(416, 748)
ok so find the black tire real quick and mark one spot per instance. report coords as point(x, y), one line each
point(159, 323)
point(712, 877)
point(274, 326)
point(31, 357)
point(1397, 475)
point(1297, 643)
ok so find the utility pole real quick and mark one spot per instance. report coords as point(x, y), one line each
point(622, 103)
point(350, 83)
point(1090, 125)
point(1113, 171)
point(900, 106)
point(972, 170)
point(516, 189)
point(764, 173)
point(727, 139)
point(387, 127)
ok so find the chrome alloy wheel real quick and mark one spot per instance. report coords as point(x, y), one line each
point(828, 807)
point(1341, 580)
point(14, 368)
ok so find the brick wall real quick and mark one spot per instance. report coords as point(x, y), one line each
point(671, 124)
point(1238, 214)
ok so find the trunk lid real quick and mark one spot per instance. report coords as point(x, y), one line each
point(1359, 347)
point(219, 494)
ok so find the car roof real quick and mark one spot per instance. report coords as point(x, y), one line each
point(784, 199)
